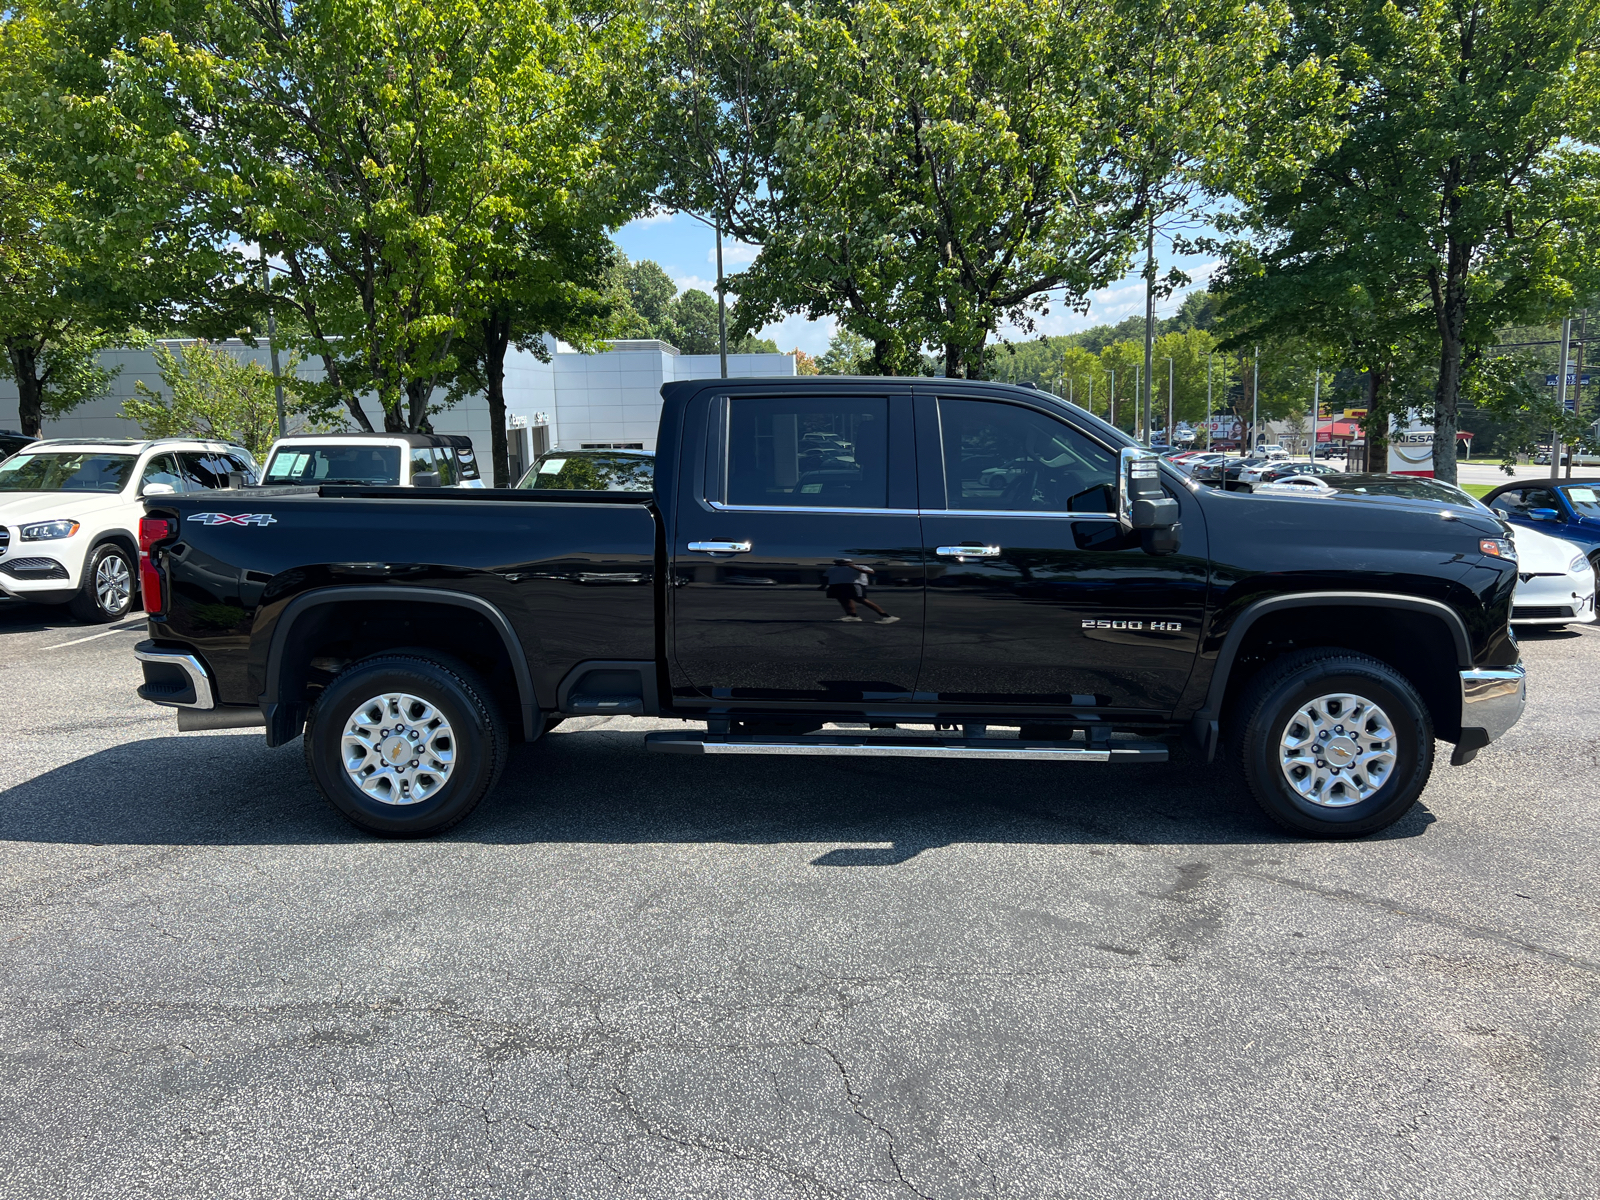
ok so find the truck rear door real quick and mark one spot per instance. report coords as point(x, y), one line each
point(797, 563)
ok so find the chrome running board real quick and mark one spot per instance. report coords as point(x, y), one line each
point(835, 745)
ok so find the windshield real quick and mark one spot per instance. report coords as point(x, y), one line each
point(81, 472)
point(334, 464)
point(1585, 501)
point(592, 471)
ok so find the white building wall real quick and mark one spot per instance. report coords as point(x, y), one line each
point(608, 398)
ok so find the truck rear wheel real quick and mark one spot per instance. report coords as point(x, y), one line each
point(405, 746)
point(1334, 744)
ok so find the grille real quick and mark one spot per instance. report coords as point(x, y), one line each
point(34, 568)
point(1531, 612)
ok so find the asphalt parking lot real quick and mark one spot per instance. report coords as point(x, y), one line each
point(635, 975)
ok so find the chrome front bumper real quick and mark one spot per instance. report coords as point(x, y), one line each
point(1492, 699)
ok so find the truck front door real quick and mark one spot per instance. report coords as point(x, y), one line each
point(1035, 595)
point(797, 567)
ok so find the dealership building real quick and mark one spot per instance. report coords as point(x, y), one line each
point(607, 400)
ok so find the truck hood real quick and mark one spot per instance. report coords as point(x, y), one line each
point(20, 508)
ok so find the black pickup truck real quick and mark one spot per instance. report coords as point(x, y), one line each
point(923, 567)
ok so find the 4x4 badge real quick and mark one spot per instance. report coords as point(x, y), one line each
point(235, 518)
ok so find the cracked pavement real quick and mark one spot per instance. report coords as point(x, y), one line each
point(635, 975)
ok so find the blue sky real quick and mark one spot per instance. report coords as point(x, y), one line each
point(686, 250)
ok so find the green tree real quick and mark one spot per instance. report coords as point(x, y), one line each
point(651, 292)
point(210, 393)
point(693, 318)
point(52, 332)
point(847, 354)
point(372, 152)
point(1455, 201)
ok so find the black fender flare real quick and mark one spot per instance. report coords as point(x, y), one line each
point(280, 715)
point(1205, 725)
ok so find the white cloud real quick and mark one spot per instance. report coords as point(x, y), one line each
point(1121, 300)
point(734, 254)
point(796, 332)
point(663, 216)
point(685, 283)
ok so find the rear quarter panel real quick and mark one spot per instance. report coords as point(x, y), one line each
point(574, 580)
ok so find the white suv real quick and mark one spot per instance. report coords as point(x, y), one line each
point(69, 514)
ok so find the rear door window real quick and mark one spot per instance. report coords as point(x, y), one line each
point(799, 452)
point(162, 468)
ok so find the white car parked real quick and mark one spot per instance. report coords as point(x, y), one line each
point(1555, 581)
point(373, 460)
point(70, 510)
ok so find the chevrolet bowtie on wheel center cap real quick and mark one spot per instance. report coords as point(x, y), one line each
point(1338, 750)
point(405, 744)
point(398, 748)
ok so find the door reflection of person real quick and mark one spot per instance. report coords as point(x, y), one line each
point(847, 583)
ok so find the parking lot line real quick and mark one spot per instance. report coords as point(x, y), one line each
point(93, 636)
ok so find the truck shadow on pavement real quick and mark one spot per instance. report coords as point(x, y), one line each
point(602, 786)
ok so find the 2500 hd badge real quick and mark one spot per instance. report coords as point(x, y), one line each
point(1157, 626)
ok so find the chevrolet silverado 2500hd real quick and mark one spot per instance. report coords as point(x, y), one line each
point(969, 570)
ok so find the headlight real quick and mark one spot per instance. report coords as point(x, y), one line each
point(1498, 548)
point(46, 531)
point(1578, 565)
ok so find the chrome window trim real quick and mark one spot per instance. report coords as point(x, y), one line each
point(807, 508)
point(914, 512)
point(1008, 512)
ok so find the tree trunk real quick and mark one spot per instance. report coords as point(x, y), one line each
point(352, 403)
point(1377, 422)
point(30, 388)
point(496, 338)
point(952, 361)
point(1450, 311)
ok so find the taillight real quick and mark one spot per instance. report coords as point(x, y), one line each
point(151, 531)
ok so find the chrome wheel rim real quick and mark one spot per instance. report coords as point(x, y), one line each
point(1337, 750)
point(398, 748)
point(113, 583)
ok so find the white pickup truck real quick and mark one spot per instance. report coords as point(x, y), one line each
point(373, 460)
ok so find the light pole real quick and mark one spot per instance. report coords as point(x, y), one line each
point(722, 305)
point(1112, 408)
point(1255, 401)
point(1561, 396)
point(1208, 399)
point(1171, 431)
point(1138, 402)
point(1316, 409)
point(272, 347)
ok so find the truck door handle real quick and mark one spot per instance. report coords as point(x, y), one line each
point(721, 547)
point(962, 553)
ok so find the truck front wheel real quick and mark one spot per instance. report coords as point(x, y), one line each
point(405, 746)
point(1334, 744)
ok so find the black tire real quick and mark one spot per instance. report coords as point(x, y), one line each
point(1284, 691)
point(99, 597)
point(477, 745)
